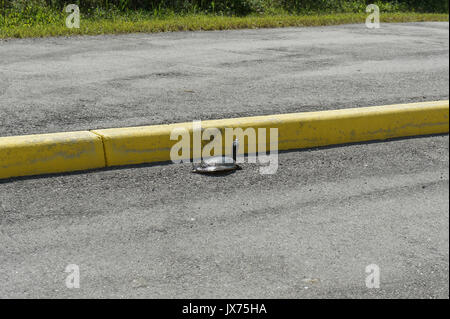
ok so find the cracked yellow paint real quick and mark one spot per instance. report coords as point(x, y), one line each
point(72, 151)
point(50, 153)
point(147, 144)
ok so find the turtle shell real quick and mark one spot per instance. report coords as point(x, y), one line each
point(216, 165)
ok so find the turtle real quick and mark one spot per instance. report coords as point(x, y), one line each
point(218, 164)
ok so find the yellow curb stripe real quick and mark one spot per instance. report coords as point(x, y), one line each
point(72, 151)
point(50, 153)
point(146, 144)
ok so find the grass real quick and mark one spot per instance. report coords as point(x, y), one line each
point(132, 22)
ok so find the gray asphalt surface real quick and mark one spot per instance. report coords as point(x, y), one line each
point(308, 231)
point(64, 84)
point(156, 231)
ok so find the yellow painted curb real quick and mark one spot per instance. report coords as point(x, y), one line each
point(50, 153)
point(146, 144)
point(72, 151)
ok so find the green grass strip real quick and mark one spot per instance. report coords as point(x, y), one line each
point(120, 25)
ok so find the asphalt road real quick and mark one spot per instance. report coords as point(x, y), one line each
point(308, 231)
point(65, 84)
point(156, 231)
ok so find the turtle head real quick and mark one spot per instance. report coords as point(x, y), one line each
point(235, 148)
